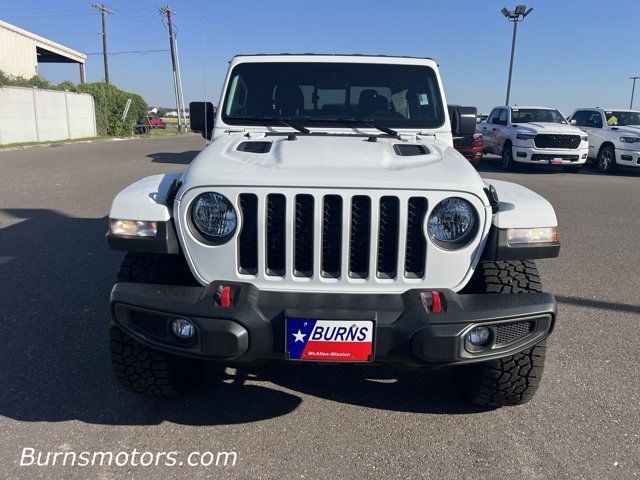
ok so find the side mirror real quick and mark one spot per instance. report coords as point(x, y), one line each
point(201, 118)
point(463, 120)
point(573, 122)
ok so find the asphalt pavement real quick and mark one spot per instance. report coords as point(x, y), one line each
point(58, 393)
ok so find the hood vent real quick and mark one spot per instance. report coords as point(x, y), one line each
point(254, 147)
point(409, 150)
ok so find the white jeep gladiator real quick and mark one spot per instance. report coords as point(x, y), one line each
point(614, 136)
point(330, 220)
point(534, 135)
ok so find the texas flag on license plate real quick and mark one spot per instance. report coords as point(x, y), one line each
point(329, 340)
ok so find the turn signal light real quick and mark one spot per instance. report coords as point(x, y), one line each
point(132, 228)
point(524, 236)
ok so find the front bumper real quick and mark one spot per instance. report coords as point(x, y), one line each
point(543, 156)
point(407, 333)
point(628, 158)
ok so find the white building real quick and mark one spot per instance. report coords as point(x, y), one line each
point(21, 52)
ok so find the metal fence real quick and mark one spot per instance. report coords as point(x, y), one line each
point(34, 115)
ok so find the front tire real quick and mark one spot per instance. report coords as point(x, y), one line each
point(141, 369)
point(607, 159)
point(511, 380)
point(507, 157)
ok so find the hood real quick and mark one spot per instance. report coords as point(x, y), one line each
point(343, 161)
point(627, 130)
point(551, 128)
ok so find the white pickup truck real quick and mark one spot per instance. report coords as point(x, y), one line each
point(534, 135)
point(614, 136)
point(330, 220)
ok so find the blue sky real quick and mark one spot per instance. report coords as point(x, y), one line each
point(569, 53)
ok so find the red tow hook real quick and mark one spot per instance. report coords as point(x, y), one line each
point(436, 302)
point(224, 297)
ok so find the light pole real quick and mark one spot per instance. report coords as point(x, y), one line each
point(633, 89)
point(514, 16)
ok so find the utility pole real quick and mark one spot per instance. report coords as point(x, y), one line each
point(168, 12)
point(633, 90)
point(104, 10)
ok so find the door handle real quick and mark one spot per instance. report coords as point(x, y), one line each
point(493, 129)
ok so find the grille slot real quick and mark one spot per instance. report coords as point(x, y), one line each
point(416, 248)
point(303, 243)
point(359, 238)
point(248, 239)
point(276, 235)
point(331, 236)
point(545, 140)
point(507, 333)
point(388, 237)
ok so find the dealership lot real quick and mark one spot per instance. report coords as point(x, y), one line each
point(58, 392)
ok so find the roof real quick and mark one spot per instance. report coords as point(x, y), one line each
point(48, 51)
point(328, 55)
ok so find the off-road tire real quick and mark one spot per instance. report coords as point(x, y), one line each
point(606, 161)
point(141, 369)
point(511, 380)
point(150, 372)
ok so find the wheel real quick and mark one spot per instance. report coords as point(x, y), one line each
point(607, 159)
point(141, 369)
point(571, 168)
point(511, 380)
point(146, 371)
point(507, 156)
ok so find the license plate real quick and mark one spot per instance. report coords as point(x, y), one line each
point(555, 161)
point(329, 340)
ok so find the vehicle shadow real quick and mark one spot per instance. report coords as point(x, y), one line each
point(178, 158)
point(56, 274)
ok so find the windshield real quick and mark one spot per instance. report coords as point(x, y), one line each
point(623, 119)
point(542, 115)
point(336, 94)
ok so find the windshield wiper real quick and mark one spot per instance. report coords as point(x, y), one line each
point(368, 123)
point(286, 121)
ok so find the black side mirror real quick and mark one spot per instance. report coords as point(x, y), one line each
point(201, 118)
point(463, 120)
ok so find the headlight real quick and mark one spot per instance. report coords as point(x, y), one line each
point(452, 223)
point(630, 139)
point(584, 138)
point(214, 217)
point(525, 136)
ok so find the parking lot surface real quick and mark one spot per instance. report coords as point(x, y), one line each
point(58, 393)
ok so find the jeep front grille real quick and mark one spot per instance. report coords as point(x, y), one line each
point(332, 236)
point(544, 140)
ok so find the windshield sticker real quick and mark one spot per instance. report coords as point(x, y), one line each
point(423, 99)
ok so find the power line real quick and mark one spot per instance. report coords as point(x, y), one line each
point(130, 52)
point(104, 11)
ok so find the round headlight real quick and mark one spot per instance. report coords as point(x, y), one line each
point(452, 223)
point(214, 217)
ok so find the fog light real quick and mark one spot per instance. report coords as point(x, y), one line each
point(522, 154)
point(183, 328)
point(479, 336)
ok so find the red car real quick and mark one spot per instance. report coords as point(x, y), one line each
point(154, 121)
point(471, 147)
